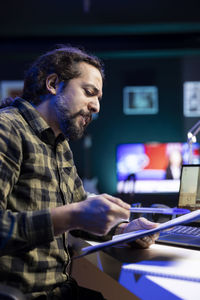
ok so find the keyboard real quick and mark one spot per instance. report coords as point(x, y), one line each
point(182, 236)
point(184, 230)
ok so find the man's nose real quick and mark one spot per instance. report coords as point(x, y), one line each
point(94, 105)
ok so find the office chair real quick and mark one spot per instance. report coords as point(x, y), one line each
point(10, 293)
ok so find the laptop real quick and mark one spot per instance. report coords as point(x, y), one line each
point(189, 197)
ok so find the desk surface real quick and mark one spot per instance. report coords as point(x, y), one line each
point(132, 269)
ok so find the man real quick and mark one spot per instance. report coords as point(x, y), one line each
point(40, 191)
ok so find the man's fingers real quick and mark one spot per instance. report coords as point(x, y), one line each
point(117, 201)
point(139, 224)
point(120, 209)
point(108, 211)
point(142, 223)
point(145, 242)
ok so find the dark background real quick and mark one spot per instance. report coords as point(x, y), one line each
point(146, 42)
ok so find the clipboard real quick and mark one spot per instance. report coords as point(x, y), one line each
point(131, 236)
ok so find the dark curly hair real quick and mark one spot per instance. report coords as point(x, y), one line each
point(62, 61)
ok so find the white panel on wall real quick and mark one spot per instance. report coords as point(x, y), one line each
point(140, 100)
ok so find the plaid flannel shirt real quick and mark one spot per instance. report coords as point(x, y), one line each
point(37, 173)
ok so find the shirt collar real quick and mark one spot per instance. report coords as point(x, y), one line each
point(35, 120)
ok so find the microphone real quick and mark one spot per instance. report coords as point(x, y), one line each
point(193, 132)
point(191, 135)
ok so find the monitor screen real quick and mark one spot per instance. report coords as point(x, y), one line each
point(152, 167)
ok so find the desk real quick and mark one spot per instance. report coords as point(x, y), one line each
point(106, 271)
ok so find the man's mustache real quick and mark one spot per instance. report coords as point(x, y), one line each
point(86, 116)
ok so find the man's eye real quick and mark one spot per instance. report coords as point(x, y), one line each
point(89, 93)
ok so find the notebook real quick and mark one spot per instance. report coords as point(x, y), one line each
point(189, 198)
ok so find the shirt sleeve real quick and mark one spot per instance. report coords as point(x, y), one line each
point(18, 230)
point(10, 159)
point(24, 231)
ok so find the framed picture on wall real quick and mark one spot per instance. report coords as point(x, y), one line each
point(140, 100)
point(191, 98)
point(11, 88)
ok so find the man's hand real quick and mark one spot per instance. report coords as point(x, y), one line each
point(97, 215)
point(139, 224)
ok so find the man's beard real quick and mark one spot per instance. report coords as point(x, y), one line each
point(68, 122)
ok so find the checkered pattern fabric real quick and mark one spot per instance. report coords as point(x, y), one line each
point(37, 173)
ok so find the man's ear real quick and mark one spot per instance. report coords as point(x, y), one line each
point(52, 83)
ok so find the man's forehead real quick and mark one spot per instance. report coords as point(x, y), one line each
point(91, 75)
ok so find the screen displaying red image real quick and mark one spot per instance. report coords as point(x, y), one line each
point(152, 167)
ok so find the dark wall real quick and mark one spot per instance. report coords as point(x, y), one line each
point(167, 72)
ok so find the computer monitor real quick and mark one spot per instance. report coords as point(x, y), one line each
point(152, 167)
